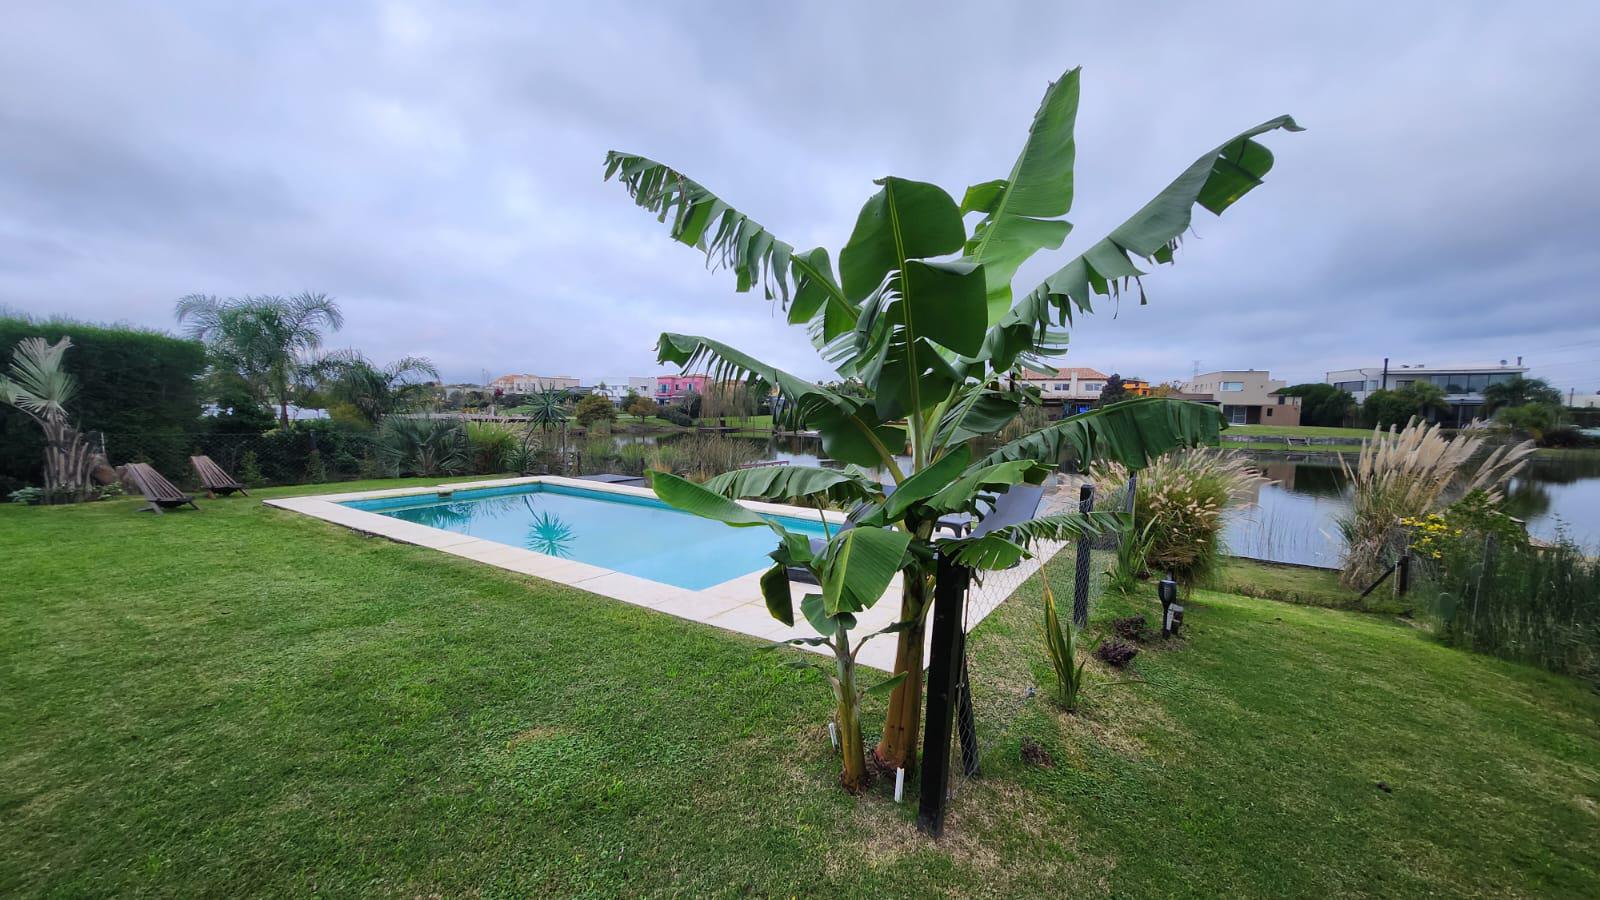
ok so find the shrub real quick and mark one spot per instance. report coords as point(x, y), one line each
point(677, 416)
point(1181, 499)
point(489, 446)
point(1406, 475)
point(422, 446)
point(249, 471)
point(594, 408)
point(1485, 587)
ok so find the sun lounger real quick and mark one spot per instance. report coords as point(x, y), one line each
point(156, 489)
point(611, 478)
point(215, 480)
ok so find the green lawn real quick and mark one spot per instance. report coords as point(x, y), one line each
point(1300, 431)
point(242, 701)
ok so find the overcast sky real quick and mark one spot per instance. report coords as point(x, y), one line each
point(437, 168)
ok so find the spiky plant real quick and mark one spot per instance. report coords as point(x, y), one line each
point(40, 386)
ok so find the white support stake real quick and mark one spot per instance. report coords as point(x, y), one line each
point(899, 785)
point(833, 734)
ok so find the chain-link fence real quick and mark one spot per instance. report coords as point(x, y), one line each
point(1004, 669)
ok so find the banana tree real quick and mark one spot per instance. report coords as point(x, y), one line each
point(921, 312)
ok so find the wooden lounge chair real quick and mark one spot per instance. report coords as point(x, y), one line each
point(215, 480)
point(159, 491)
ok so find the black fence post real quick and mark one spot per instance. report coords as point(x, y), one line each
point(1080, 584)
point(944, 668)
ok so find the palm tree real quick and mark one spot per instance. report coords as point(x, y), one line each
point(1519, 391)
point(40, 387)
point(921, 316)
point(266, 341)
point(372, 390)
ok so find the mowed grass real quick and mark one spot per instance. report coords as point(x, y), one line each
point(1300, 431)
point(243, 701)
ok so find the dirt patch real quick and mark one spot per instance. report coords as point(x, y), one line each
point(530, 735)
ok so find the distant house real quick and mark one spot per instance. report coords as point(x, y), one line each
point(618, 388)
point(1463, 385)
point(1136, 387)
point(530, 384)
point(1245, 396)
point(1075, 390)
point(671, 388)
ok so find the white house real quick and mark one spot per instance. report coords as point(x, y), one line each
point(1463, 385)
point(1075, 389)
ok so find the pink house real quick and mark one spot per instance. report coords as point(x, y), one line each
point(672, 387)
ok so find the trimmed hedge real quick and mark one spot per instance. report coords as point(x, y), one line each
point(136, 386)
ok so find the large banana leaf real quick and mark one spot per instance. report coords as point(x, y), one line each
point(803, 282)
point(858, 566)
point(793, 483)
point(1022, 209)
point(1132, 433)
point(851, 431)
point(1215, 181)
point(907, 302)
point(977, 411)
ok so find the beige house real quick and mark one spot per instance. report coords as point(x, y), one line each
point(528, 384)
point(1247, 396)
point(1074, 389)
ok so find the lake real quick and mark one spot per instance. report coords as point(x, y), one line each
point(1293, 515)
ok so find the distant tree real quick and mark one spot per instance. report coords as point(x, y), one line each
point(1114, 390)
point(595, 408)
point(1165, 390)
point(1322, 404)
point(374, 391)
point(640, 406)
point(1532, 419)
point(1519, 391)
point(1384, 408)
point(691, 404)
point(266, 341)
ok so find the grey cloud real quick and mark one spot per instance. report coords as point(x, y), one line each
point(437, 167)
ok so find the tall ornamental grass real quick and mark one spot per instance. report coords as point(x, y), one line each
point(1408, 474)
point(1487, 588)
point(1179, 506)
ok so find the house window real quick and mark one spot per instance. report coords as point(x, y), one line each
point(1233, 385)
point(1371, 385)
point(1351, 386)
point(1092, 388)
point(1269, 411)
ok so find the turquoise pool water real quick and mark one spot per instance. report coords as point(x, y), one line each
point(638, 535)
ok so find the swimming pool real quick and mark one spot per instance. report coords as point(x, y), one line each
point(637, 535)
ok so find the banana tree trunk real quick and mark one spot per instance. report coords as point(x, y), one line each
point(848, 716)
point(902, 725)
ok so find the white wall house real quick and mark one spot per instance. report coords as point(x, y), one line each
point(617, 388)
point(1463, 385)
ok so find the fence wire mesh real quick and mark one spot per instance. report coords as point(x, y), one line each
point(1004, 670)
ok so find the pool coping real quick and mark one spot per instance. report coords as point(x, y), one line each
point(735, 605)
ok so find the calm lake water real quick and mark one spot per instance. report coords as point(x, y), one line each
point(1292, 518)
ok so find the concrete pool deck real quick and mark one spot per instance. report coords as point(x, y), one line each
point(735, 605)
